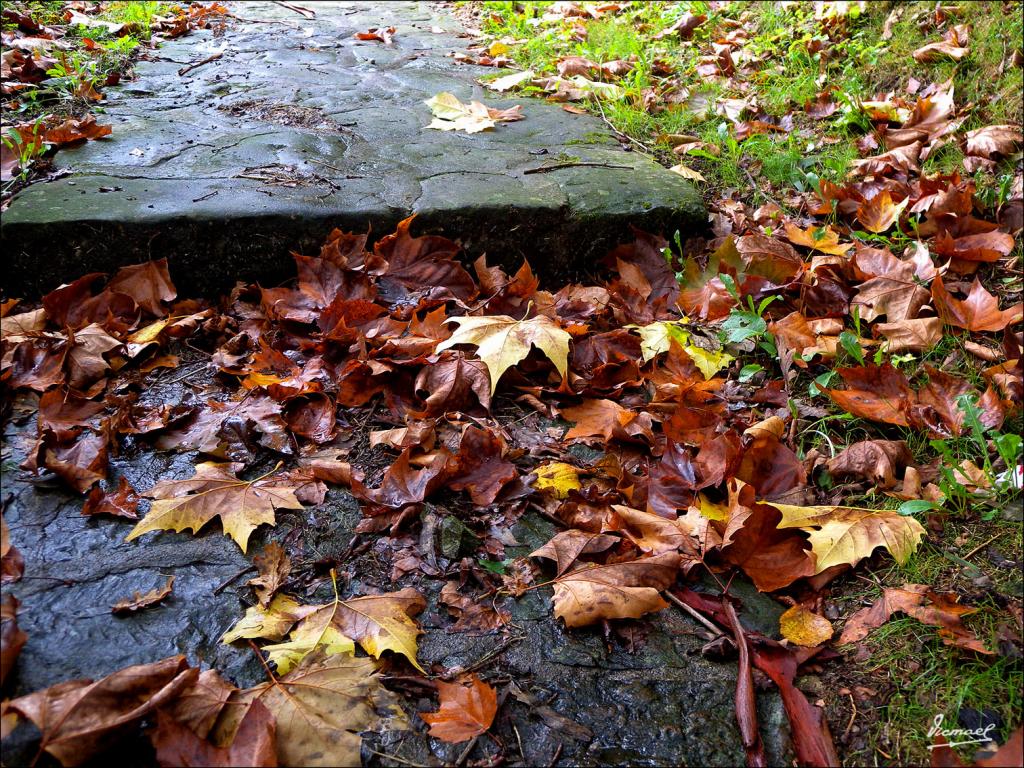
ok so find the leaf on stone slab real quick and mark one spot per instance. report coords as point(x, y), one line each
point(508, 82)
point(139, 601)
point(271, 623)
point(804, 627)
point(624, 590)
point(215, 491)
point(199, 705)
point(846, 535)
point(80, 719)
point(566, 546)
point(402, 485)
point(473, 614)
point(450, 114)
point(655, 535)
point(320, 709)
point(381, 34)
point(12, 565)
point(12, 639)
point(467, 710)
point(503, 341)
point(274, 566)
point(480, 467)
point(124, 502)
point(377, 622)
point(254, 745)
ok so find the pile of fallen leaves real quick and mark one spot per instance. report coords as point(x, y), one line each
point(464, 378)
point(31, 55)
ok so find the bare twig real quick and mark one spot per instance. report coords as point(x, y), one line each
point(466, 751)
point(223, 585)
point(189, 67)
point(306, 12)
point(549, 168)
point(628, 138)
point(981, 546)
point(695, 614)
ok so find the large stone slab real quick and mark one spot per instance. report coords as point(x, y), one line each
point(299, 128)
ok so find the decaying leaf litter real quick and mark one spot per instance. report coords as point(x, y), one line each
point(700, 476)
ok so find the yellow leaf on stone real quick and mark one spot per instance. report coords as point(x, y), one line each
point(215, 491)
point(841, 535)
point(498, 48)
point(316, 634)
point(272, 622)
point(377, 622)
point(803, 627)
point(557, 477)
point(503, 341)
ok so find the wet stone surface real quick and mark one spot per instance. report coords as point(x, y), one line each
point(299, 128)
point(594, 700)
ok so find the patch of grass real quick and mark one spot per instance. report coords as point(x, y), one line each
point(801, 56)
point(930, 679)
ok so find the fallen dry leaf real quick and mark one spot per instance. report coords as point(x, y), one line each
point(139, 601)
point(319, 708)
point(804, 627)
point(618, 591)
point(978, 312)
point(846, 535)
point(450, 114)
point(215, 491)
point(503, 341)
point(80, 719)
point(468, 707)
point(254, 743)
point(920, 602)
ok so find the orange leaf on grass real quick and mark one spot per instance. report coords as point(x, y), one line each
point(978, 312)
point(467, 710)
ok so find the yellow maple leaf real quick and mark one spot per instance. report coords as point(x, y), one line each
point(502, 341)
point(215, 491)
point(848, 534)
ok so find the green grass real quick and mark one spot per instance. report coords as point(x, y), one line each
point(798, 56)
point(930, 678)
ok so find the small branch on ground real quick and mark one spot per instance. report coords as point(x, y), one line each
point(189, 67)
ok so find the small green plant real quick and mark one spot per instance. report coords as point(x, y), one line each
point(25, 151)
point(744, 324)
point(974, 446)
